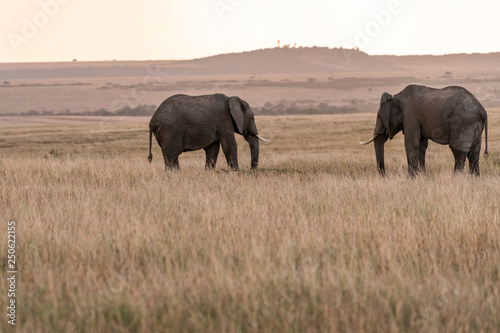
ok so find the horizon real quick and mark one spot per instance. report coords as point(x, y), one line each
point(75, 60)
point(59, 30)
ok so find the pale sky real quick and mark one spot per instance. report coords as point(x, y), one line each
point(62, 30)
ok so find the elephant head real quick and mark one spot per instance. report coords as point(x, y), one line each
point(244, 124)
point(389, 123)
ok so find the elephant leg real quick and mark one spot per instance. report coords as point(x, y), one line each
point(211, 152)
point(473, 157)
point(171, 159)
point(413, 153)
point(230, 150)
point(171, 163)
point(460, 156)
point(424, 142)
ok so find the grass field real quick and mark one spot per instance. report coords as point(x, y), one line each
point(314, 240)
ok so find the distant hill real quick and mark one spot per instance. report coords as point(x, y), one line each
point(266, 61)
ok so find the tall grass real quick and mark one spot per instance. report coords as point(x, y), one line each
point(314, 240)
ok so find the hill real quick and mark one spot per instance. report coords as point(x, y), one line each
point(266, 61)
point(274, 81)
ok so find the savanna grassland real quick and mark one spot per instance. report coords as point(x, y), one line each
point(314, 240)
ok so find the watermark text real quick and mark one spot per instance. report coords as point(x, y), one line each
point(31, 26)
point(11, 272)
point(222, 7)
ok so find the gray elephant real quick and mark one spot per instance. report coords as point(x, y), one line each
point(449, 116)
point(186, 123)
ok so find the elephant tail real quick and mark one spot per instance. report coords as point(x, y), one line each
point(150, 157)
point(486, 134)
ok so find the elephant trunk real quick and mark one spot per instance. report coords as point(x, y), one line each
point(253, 141)
point(379, 152)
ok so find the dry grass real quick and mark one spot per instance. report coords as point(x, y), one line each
point(314, 240)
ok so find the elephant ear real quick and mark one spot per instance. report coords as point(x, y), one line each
point(236, 109)
point(385, 110)
point(385, 97)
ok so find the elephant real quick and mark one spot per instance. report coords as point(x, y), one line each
point(449, 116)
point(186, 123)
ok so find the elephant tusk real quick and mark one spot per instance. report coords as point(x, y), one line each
point(371, 140)
point(261, 139)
